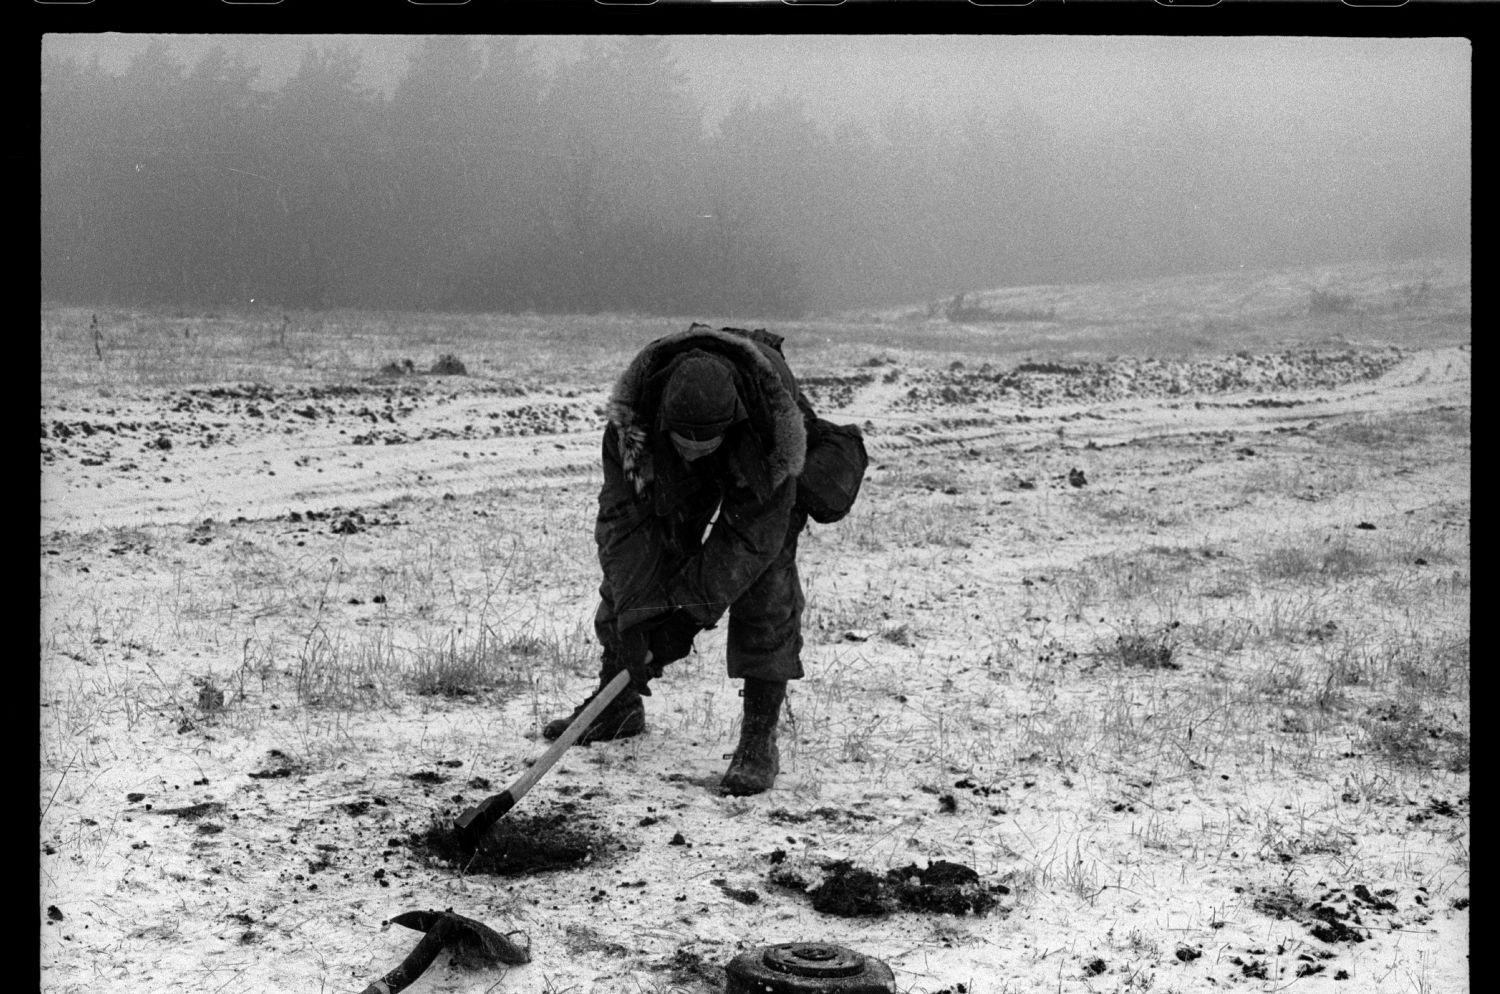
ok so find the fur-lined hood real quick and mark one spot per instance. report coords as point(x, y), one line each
point(766, 387)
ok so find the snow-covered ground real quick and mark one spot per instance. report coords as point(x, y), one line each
point(1172, 652)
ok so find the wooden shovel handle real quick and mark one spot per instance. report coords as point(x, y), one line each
point(565, 741)
point(480, 818)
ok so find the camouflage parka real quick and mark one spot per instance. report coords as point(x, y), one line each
point(654, 507)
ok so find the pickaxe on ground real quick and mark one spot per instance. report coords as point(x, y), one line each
point(472, 943)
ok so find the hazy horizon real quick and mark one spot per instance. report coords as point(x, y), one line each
point(861, 168)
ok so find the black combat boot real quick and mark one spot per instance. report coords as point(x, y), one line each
point(621, 718)
point(756, 761)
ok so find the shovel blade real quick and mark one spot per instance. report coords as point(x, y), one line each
point(474, 823)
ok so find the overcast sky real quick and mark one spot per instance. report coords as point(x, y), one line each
point(1077, 83)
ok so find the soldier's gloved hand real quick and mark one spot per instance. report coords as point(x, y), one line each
point(673, 638)
point(638, 659)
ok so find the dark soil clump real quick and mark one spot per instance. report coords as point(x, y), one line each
point(849, 891)
point(948, 888)
point(1376, 901)
point(1330, 926)
point(1322, 920)
point(194, 811)
point(518, 845)
point(744, 896)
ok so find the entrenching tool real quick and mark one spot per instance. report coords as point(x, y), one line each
point(472, 943)
point(476, 821)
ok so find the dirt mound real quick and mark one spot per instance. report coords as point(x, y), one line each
point(449, 364)
point(387, 410)
point(848, 891)
point(949, 888)
point(1041, 384)
point(833, 391)
point(520, 844)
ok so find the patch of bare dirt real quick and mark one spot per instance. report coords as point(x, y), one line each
point(522, 843)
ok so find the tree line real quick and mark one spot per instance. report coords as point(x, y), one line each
point(481, 182)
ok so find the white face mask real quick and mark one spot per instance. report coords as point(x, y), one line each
point(690, 449)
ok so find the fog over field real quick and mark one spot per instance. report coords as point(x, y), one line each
point(741, 175)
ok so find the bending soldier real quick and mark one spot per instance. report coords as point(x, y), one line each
point(703, 500)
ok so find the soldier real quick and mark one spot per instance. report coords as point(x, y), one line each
point(713, 462)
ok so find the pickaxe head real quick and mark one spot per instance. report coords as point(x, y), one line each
point(472, 944)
